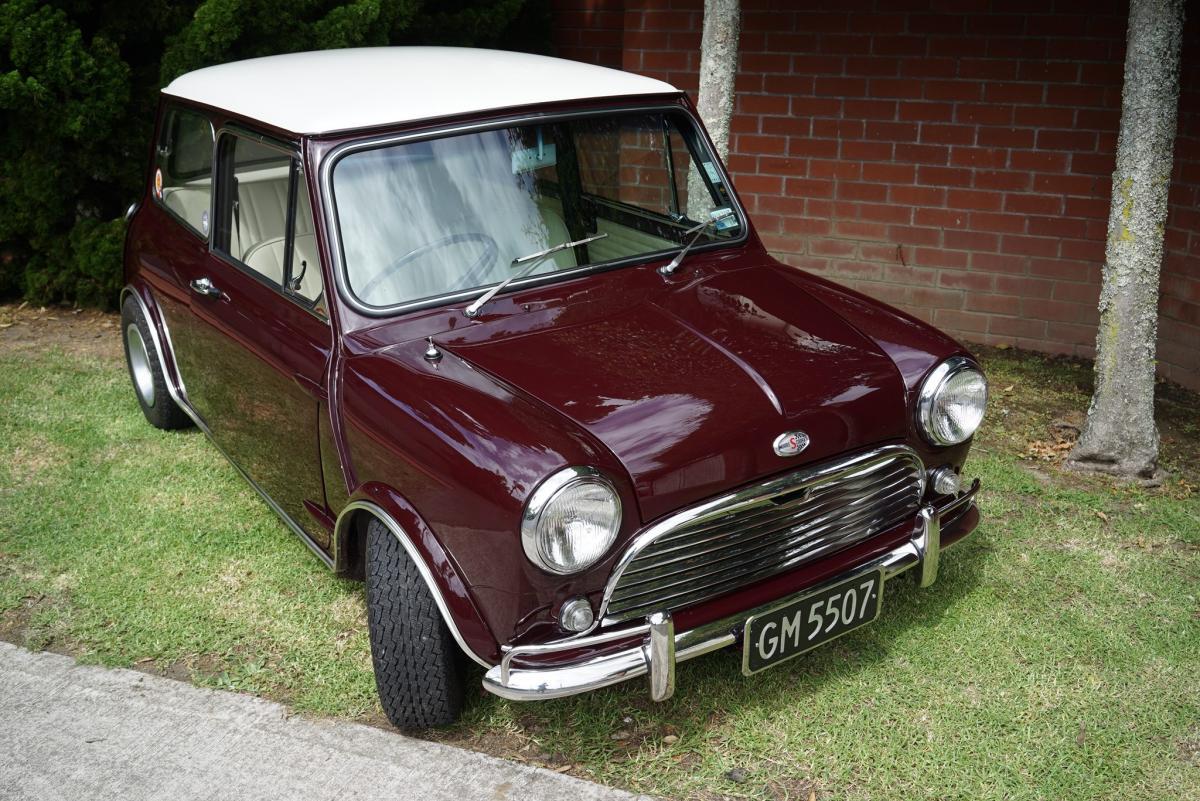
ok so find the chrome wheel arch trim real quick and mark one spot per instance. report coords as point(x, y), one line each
point(181, 401)
point(341, 530)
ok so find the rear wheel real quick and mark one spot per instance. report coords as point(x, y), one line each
point(419, 668)
point(145, 370)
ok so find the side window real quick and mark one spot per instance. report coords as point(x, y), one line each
point(264, 218)
point(183, 170)
point(305, 274)
point(252, 205)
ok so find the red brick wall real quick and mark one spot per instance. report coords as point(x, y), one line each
point(590, 30)
point(952, 157)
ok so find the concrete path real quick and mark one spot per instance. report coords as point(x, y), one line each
point(69, 731)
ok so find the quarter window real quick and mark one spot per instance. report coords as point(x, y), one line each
point(305, 275)
point(183, 168)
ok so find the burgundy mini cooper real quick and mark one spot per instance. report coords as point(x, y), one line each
point(494, 333)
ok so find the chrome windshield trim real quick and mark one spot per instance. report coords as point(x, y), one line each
point(330, 160)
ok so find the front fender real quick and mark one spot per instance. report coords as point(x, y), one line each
point(461, 453)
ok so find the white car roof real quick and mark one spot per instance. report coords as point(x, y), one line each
point(338, 90)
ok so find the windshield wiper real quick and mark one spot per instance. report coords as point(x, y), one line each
point(696, 231)
point(534, 259)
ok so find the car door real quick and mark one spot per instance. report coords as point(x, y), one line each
point(173, 248)
point(258, 348)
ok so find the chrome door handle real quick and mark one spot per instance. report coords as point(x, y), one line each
point(203, 286)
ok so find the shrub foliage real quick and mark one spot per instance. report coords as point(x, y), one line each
point(79, 84)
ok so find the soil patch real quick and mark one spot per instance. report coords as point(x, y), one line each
point(85, 333)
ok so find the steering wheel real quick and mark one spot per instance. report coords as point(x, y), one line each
point(473, 275)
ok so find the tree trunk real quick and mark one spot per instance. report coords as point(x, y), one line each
point(1120, 436)
point(718, 68)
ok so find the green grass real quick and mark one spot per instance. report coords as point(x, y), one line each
point(1058, 655)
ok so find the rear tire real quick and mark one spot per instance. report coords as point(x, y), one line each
point(419, 668)
point(145, 370)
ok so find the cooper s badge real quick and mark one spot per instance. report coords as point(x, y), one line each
point(790, 443)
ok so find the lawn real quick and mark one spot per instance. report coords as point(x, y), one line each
point(1058, 655)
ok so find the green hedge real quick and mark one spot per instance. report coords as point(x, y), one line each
point(79, 84)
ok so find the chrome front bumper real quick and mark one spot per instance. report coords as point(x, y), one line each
point(661, 648)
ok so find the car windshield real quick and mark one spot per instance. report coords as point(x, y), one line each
point(425, 219)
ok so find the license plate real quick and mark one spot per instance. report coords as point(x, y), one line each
point(799, 626)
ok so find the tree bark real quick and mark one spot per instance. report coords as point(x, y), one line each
point(1120, 436)
point(718, 69)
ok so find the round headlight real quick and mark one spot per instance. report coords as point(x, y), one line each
point(951, 401)
point(570, 520)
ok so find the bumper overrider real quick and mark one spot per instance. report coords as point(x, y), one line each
point(661, 647)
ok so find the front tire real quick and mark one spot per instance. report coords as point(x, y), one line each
point(419, 668)
point(145, 370)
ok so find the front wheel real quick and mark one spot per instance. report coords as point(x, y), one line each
point(419, 669)
point(145, 370)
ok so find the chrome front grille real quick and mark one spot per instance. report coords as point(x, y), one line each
point(734, 540)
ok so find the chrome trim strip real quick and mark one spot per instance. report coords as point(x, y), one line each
point(647, 657)
point(325, 180)
point(325, 558)
point(730, 502)
point(398, 532)
point(182, 402)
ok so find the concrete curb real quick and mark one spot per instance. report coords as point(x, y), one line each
point(79, 732)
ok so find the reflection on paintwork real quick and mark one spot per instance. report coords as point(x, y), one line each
point(676, 418)
point(669, 377)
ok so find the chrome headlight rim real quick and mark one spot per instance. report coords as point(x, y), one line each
point(928, 393)
point(541, 498)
